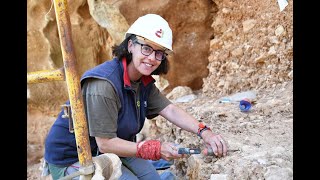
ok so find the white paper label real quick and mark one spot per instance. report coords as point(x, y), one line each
point(282, 4)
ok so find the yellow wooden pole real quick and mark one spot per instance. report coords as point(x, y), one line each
point(74, 90)
point(45, 76)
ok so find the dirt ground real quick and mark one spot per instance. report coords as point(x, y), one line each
point(263, 136)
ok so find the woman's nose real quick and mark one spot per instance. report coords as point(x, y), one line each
point(152, 56)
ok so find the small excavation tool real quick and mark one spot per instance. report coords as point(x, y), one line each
point(189, 151)
point(206, 151)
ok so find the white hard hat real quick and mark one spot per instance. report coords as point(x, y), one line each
point(154, 28)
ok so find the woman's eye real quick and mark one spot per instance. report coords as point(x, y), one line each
point(146, 48)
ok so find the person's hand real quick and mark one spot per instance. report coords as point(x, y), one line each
point(216, 142)
point(169, 151)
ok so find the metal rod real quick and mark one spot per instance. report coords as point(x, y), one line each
point(73, 84)
point(45, 76)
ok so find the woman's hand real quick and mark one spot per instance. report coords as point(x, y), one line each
point(169, 151)
point(216, 142)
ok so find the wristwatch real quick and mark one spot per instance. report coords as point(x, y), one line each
point(202, 128)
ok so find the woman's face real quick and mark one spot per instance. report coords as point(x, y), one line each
point(144, 64)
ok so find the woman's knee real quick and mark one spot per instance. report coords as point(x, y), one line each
point(127, 174)
point(141, 168)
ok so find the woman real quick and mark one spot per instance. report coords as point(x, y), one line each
point(118, 96)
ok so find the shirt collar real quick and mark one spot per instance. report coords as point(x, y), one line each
point(144, 79)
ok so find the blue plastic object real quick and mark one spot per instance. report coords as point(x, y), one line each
point(161, 164)
point(245, 105)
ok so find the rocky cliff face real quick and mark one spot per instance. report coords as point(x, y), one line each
point(252, 46)
point(219, 46)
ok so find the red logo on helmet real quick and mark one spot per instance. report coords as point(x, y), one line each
point(159, 33)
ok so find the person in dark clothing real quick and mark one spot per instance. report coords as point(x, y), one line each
point(118, 96)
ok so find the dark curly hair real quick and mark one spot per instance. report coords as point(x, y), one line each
point(121, 51)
